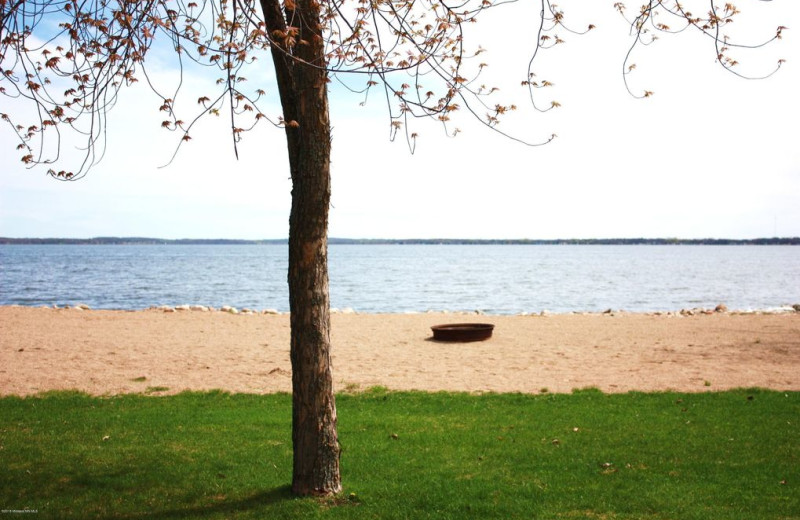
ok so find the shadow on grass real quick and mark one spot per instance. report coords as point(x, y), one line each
point(229, 507)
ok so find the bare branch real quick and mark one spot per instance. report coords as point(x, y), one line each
point(66, 62)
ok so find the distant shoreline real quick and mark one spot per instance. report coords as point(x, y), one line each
point(791, 241)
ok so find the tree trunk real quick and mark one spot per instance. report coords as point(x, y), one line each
point(302, 84)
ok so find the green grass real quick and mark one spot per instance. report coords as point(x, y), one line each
point(715, 455)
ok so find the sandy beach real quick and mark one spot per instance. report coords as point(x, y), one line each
point(111, 352)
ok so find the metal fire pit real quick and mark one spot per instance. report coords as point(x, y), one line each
point(462, 332)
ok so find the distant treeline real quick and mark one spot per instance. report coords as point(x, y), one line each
point(134, 241)
point(412, 241)
point(574, 241)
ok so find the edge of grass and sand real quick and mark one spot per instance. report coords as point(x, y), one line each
point(705, 444)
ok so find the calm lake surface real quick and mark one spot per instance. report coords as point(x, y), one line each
point(496, 279)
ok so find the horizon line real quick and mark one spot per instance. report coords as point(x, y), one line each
point(439, 240)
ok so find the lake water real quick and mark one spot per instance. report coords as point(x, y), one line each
point(496, 279)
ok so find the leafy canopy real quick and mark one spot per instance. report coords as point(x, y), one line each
point(65, 62)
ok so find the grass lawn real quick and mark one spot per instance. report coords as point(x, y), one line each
point(716, 455)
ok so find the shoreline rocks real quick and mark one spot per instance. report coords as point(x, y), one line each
point(687, 312)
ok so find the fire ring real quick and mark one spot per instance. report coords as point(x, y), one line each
point(462, 332)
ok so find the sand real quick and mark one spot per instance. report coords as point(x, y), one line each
point(157, 352)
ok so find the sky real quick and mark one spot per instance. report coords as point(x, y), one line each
point(709, 155)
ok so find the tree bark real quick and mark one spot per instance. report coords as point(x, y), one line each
point(302, 84)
